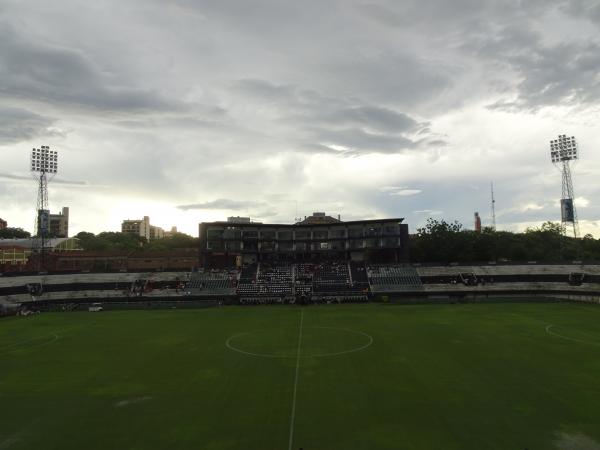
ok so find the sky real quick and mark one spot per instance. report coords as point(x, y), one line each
point(189, 111)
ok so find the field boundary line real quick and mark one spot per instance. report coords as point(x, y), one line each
point(293, 415)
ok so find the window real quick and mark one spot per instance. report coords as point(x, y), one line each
point(214, 233)
point(267, 234)
point(267, 246)
point(337, 233)
point(214, 245)
point(337, 245)
point(320, 234)
point(355, 232)
point(232, 233)
point(371, 243)
point(286, 246)
point(235, 246)
point(285, 235)
point(390, 230)
point(373, 231)
point(390, 242)
point(356, 243)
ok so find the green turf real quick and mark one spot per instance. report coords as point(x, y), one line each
point(497, 376)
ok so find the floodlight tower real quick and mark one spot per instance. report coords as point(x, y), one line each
point(44, 162)
point(562, 151)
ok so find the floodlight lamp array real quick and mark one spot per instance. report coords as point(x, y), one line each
point(563, 149)
point(44, 160)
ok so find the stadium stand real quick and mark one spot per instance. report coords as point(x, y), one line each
point(332, 281)
point(307, 282)
point(393, 277)
point(214, 282)
point(271, 283)
point(303, 277)
point(331, 278)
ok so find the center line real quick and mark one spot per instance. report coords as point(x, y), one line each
point(293, 417)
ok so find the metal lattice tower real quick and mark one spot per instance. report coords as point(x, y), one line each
point(44, 162)
point(562, 151)
point(493, 206)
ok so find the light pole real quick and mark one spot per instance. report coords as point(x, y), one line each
point(44, 162)
point(562, 151)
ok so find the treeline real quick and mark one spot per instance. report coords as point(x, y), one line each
point(14, 233)
point(115, 241)
point(440, 241)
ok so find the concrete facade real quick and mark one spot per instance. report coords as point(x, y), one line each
point(142, 228)
point(57, 225)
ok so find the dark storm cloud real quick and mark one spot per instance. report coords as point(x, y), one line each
point(264, 90)
point(223, 203)
point(17, 124)
point(438, 16)
point(507, 43)
point(389, 75)
point(374, 117)
point(39, 71)
point(585, 9)
point(327, 122)
point(357, 141)
point(564, 73)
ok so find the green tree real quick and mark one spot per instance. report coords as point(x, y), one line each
point(14, 233)
point(438, 240)
point(172, 242)
point(110, 241)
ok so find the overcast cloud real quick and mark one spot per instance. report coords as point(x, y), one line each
point(189, 111)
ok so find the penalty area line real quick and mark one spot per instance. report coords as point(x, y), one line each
point(293, 415)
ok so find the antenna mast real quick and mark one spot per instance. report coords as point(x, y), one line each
point(493, 207)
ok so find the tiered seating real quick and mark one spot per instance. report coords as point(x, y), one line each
point(247, 283)
point(576, 278)
point(393, 277)
point(216, 282)
point(303, 280)
point(276, 280)
point(332, 278)
point(270, 281)
point(360, 280)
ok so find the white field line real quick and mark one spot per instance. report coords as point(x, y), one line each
point(293, 416)
point(369, 342)
point(554, 333)
point(20, 345)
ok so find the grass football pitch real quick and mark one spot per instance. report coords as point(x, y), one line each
point(494, 376)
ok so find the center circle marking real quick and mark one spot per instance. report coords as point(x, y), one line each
point(35, 342)
point(549, 330)
point(230, 346)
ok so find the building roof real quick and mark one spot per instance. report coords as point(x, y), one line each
point(302, 225)
point(318, 218)
point(95, 254)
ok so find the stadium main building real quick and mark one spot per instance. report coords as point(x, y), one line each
point(317, 238)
